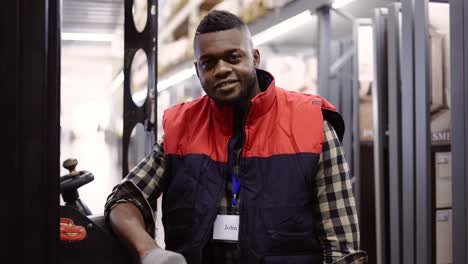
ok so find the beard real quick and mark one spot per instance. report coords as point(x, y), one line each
point(245, 95)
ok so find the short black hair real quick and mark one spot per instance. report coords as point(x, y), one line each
point(218, 20)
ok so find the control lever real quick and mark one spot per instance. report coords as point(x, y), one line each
point(70, 183)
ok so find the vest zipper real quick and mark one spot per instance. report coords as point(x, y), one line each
point(239, 155)
point(236, 168)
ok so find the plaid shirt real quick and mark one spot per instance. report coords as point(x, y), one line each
point(339, 234)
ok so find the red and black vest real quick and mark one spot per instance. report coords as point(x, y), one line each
point(282, 145)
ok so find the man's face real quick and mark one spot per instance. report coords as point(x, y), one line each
point(226, 65)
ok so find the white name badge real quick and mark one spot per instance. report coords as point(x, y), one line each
point(226, 227)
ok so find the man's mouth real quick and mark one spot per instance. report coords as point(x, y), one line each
point(225, 84)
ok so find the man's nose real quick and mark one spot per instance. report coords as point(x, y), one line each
point(222, 69)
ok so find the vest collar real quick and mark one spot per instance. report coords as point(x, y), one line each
point(259, 105)
point(263, 101)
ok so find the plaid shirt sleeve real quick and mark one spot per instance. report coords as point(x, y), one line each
point(339, 227)
point(142, 186)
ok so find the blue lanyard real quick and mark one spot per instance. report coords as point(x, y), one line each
point(235, 188)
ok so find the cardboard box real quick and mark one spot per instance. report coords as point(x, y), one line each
point(444, 237)
point(443, 178)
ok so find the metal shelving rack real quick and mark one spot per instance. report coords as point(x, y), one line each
point(146, 113)
point(403, 179)
point(407, 207)
point(459, 96)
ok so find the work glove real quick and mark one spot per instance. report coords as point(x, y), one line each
point(161, 256)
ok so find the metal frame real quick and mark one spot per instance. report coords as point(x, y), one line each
point(345, 93)
point(394, 135)
point(146, 114)
point(346, 54)
point(408, 130)
point(30, 70)
point(423, 213)
point(459, 109)
point(379, 90)
point(343, 14)
point(347, 96)
point(341, 61)
point(40, 127)
point(356, 106)
point(411, 233)
point(345, 68)
point(324, 53)
point(356, 138)
point(334, 83)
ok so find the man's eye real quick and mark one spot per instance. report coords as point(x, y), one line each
point(234, 56)
point(207, 64)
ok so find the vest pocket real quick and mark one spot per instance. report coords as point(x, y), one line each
point(285, 231)
point(281, 242)
point(280, 235)
point(179, 225)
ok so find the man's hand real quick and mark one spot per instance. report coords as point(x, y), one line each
point(161, 256)
point(127, 222)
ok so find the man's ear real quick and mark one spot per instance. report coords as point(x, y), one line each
point(256, 57)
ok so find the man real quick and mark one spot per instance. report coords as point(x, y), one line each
point(250, 173)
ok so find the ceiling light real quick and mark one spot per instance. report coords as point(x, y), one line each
point(281, 28)
point(179, 77)
point(340, 3)
point(176, 78)
point(87, 37)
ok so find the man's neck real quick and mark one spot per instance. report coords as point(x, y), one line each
point(242, 108)
point(240, 113)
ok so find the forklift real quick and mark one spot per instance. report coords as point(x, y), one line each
point(84, 237)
